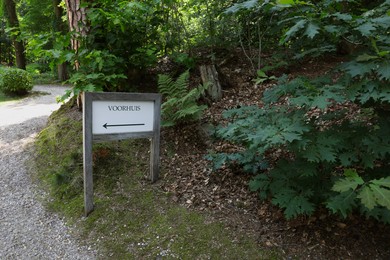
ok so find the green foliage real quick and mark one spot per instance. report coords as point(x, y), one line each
point(372, 195)
point(15, 82)
point(332, 135)
point(180, 105)
point(314, 146)
point(101, 71)
point(262, 77)
point(183, 59)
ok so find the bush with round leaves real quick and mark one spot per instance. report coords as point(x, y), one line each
point(15, 82)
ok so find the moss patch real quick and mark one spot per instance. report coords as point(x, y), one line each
point(133, 219)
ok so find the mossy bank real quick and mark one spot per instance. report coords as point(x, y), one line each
point(133, 219)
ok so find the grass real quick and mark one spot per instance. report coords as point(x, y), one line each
point(132, 219)
point(5, 99)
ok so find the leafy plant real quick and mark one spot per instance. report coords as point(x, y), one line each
point(262, 77)
point(16, 82)
point(100, 71)
point(180, 105)
point(183, 59)
point(331, 133)
point(374, 195)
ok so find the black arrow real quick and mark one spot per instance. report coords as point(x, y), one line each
point(107, 125)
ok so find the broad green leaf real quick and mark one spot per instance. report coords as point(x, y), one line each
point(343, 17)
point(249, 4)
point(56, 53)
point(382, 182)
point(299, 205)
point(315, 52)
point(312, 30)
point(311, 154)
point(283, 198)
point(384, 71)
point(351, 173)
point(89, 88)
point(366, 29)
point(261, 74)
point(69, 56)
point(347, 158)
point(254, 185)
point(366, 57)
point(293, 30)
point(332, 29)
point(383, 21)
point(300, 100)
point(289, 136)
point(342, 203)
point(367, 197)
point(327, 154)
point(383, 53)
point(358, 69)
point(94, 75)
point(292, 2)
point(285, 2)
point(347, 183)
point(320, 102)
point(382, 195)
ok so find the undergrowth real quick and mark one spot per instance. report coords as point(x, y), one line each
point(132, 219)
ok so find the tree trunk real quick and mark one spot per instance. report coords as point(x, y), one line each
point(77, 20)
point(18, 44)
point(62, 71)
point(209, 74)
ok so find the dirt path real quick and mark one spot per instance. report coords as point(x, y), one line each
point(27, 230)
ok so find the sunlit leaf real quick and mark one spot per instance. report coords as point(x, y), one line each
point(382, 182)
point(367, 197)
point(366, 57)
point(382, 195)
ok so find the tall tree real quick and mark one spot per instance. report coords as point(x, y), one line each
point(13, 21)
point(58, 27)
point(77, 21)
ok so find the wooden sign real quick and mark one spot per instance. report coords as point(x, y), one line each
point(116, 116)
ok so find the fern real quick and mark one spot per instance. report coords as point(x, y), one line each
point(180, 105)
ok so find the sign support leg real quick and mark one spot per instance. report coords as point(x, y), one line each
point(87, 152)
point(154, 158)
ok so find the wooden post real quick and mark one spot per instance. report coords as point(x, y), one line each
point(87, 152)
point(155, 143)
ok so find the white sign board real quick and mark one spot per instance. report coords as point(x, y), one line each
point(115, 117)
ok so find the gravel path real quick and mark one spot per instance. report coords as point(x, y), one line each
point(27, 230)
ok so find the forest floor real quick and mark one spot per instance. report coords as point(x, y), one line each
point(223, 219)
point(187, 176)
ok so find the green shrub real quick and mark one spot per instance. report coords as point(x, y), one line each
point(322, 142)
point(16, 82)
point(181, 105)
point(337, 157)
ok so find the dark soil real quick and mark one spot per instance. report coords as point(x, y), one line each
point(225, 195)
